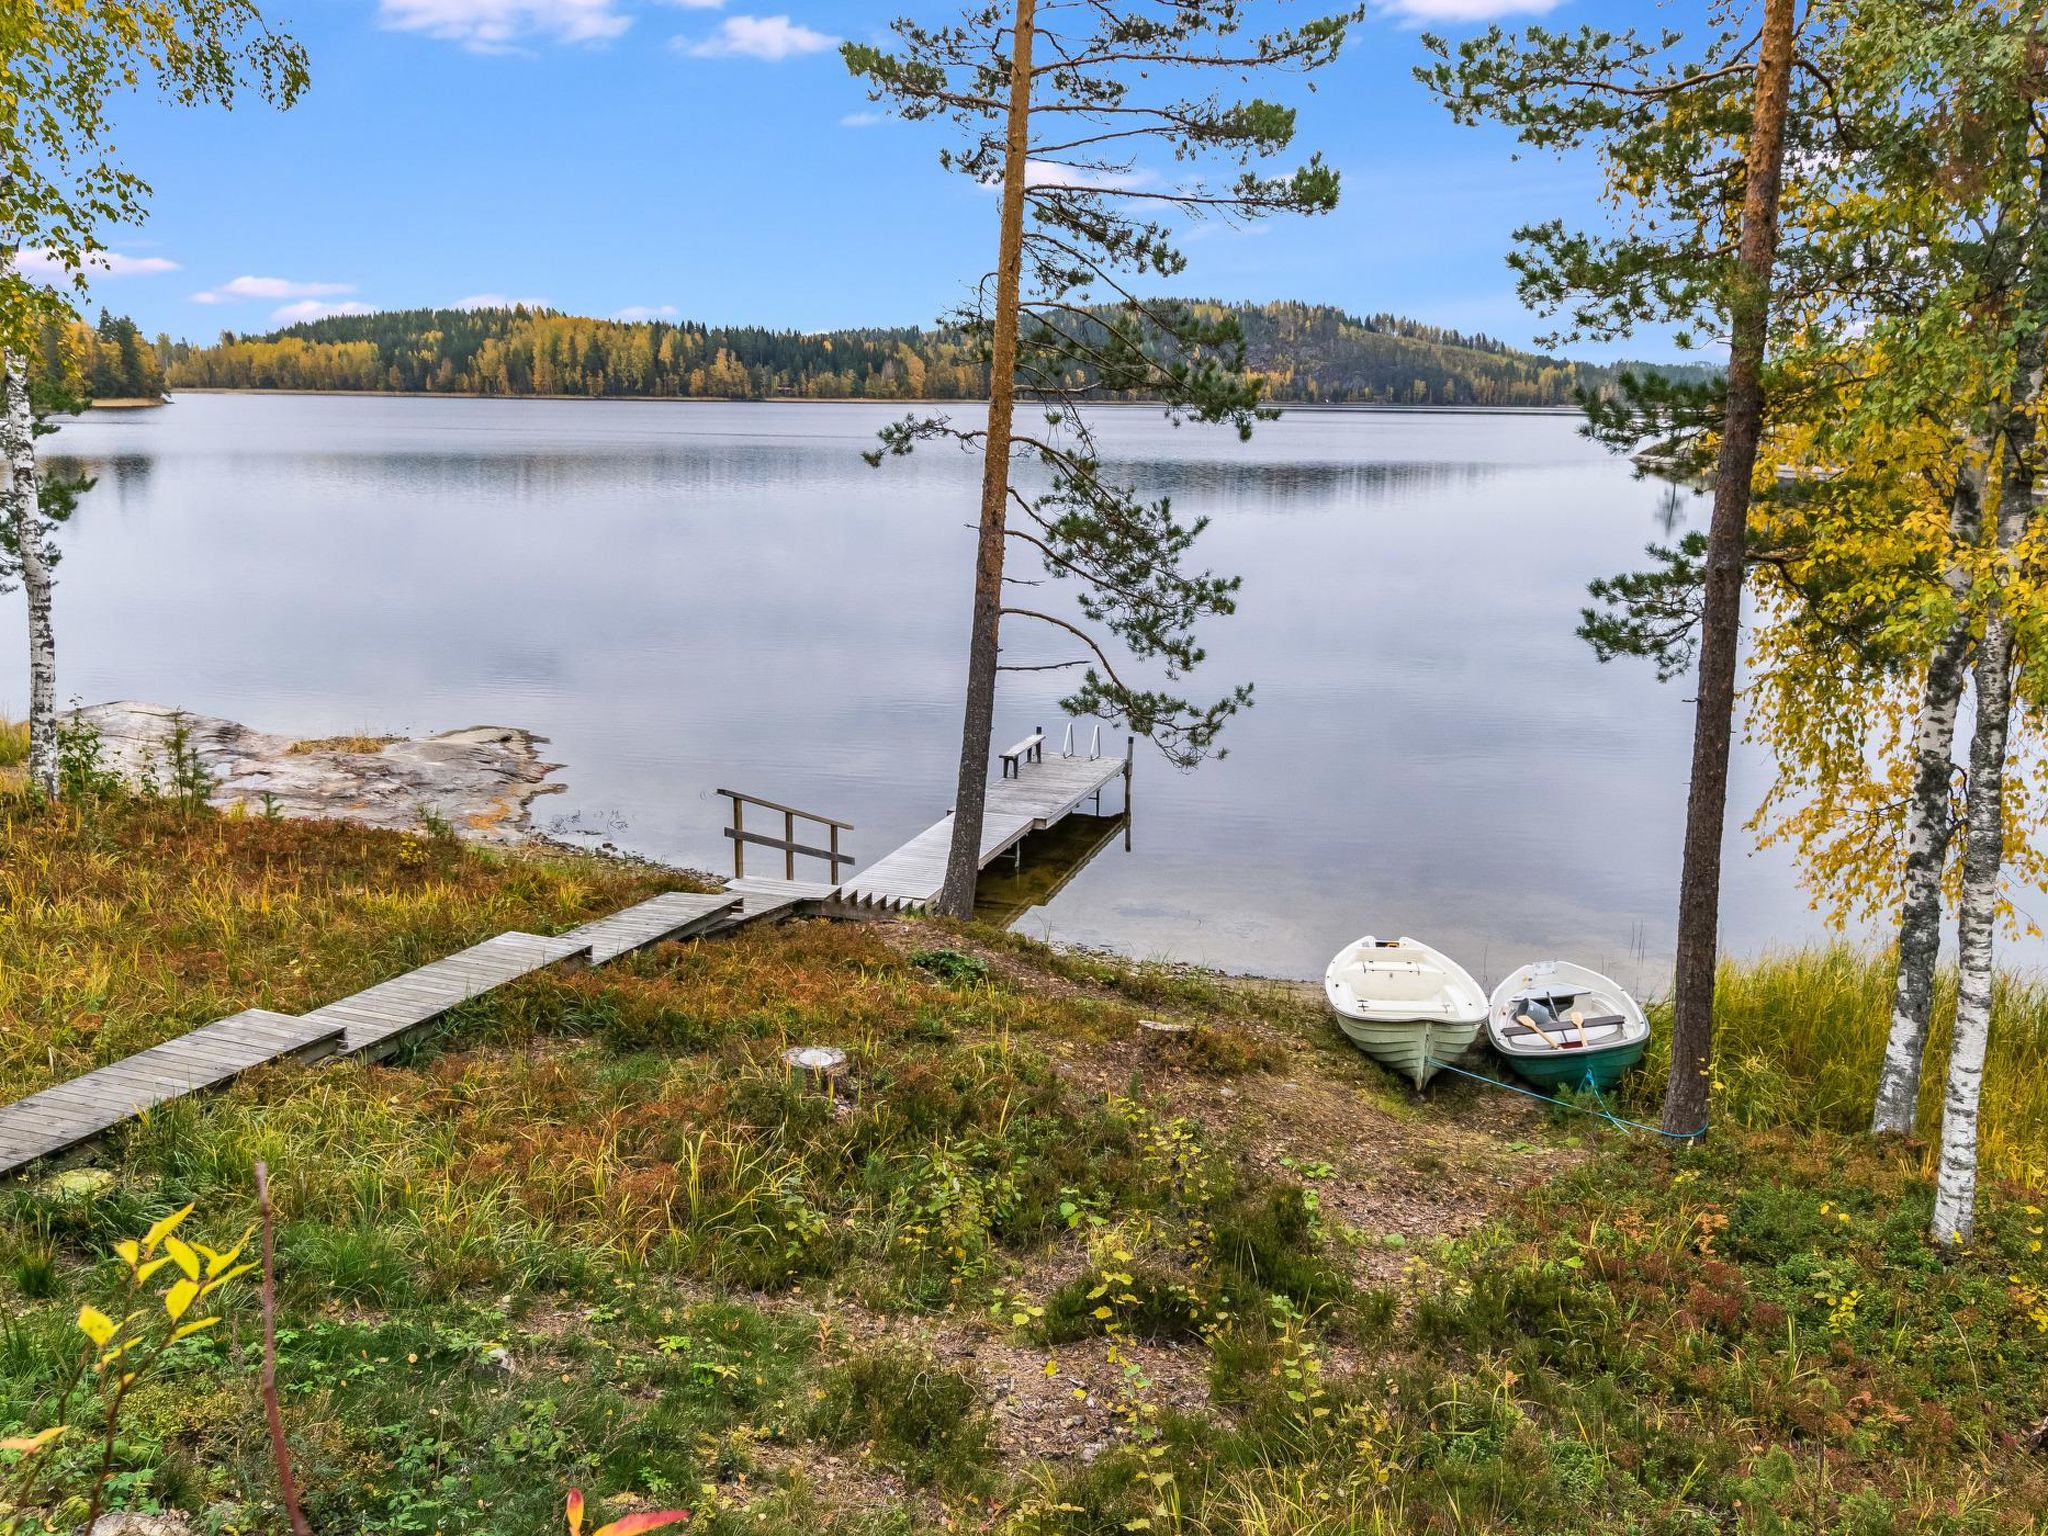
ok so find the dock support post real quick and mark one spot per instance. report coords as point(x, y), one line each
point(1130, 760)
point(739, 842)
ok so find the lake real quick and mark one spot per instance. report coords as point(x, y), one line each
point(681, 596)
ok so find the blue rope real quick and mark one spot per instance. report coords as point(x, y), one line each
point(1602, 1113)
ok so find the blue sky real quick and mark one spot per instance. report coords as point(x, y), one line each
point(711, 159)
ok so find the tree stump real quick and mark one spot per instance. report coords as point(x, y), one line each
point(822, 1067)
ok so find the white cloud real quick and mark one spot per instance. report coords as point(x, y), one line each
point(316, 309)
point(497, 301)
point(646, 312)
point(269, 288)
point(757, 37)
point(862, 119)
point(497, 26)
point(1050, 173)
point(1467, 10)
point(44, 264)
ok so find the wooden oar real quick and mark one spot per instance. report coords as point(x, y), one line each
point(1523, 1018)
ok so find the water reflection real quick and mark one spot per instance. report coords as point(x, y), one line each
point(682, 596)
point(1045, 864)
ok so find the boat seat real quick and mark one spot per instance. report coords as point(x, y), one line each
point(1607, 1023)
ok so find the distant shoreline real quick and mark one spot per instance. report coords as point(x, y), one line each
point(1284, 405)
point(140, 403)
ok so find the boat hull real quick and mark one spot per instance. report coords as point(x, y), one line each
point(1411, 1047)
point(1601, 1067)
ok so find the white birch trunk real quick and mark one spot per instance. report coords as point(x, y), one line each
point(1955, 1189)
point(1928, 825)
point(1955, 1193)
point(18, 442)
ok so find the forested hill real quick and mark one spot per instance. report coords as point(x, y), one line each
point(1306, 352)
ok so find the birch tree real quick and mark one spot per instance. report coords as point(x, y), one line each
point(1078, 114)
point(64, 189)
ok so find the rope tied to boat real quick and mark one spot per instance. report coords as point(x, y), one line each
point(1602, 1113)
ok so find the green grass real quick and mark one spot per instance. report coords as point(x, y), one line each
point(1800, 1034)
point(13, 743)
point(593, 1234)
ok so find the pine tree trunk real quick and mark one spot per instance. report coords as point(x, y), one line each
point(17, 435)
point(1928, 825)
point(1699, 890)
point(963, 860)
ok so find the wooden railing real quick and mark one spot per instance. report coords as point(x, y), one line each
point(790, 847)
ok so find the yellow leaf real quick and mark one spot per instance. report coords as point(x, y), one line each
point(182, 1255)
point(144, 1271)
point(179, 1298)
point(96, 1325)
point(128, 1252)
point(164, 1228)
point(216, 1262)
point(234, 1274)
point(191, 1328)
point(28, 1445)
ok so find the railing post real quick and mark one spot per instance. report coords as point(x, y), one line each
point(789, 838)
point(739, 843)
point(833, 873)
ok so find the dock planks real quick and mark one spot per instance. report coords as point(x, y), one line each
point(1043, 792)
point(70, 1113)
point(378, 1018)
point(674, 915)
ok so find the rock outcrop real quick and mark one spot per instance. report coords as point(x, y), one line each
point(479, 781)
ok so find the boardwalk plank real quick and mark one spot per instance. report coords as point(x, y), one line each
point(70, 1113)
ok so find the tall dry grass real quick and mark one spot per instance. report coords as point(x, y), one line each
point(13, 742)
point(1800, 1034)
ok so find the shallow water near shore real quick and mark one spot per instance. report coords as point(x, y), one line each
point(684, 596)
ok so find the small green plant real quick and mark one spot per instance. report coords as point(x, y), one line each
point(35, 1273)
point(954, 967)
point(190, 784)
point(82, 771)
point(433, 825)
point(921, 1416)
point(122, 1350)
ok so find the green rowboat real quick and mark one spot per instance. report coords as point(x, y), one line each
point(1560, 1025)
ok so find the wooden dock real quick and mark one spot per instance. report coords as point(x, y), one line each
point(1040, 794)
point(1034, 792)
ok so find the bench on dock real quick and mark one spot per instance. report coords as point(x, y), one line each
point(1030, 750)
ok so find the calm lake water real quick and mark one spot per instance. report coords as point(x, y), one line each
point(683, 596)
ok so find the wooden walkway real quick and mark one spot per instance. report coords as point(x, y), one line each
point(73, 1112)
point(1042, 793)
point(1032, 795)
point(372, 1023)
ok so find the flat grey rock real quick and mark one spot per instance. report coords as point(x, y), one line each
point(480, 781)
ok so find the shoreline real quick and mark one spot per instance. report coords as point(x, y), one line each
point(1288, 406)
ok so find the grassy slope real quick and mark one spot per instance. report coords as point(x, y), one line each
point(1031, 1278)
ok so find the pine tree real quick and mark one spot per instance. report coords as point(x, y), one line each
point(1056, 103)
point(1695, 149)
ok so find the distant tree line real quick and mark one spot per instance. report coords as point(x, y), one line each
point(1302, 352)
point(109, 361)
